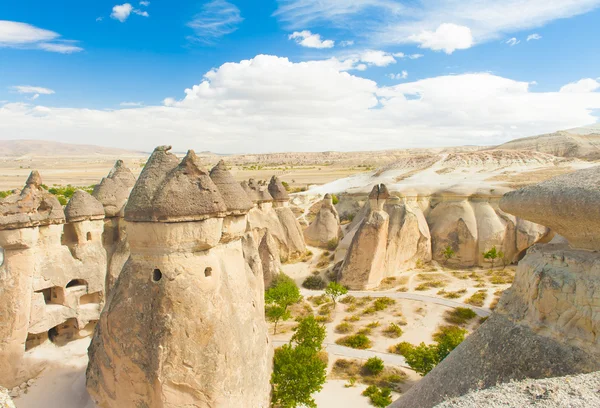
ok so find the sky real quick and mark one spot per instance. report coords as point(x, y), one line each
point(250, 76)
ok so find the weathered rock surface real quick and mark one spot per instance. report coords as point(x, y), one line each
point(184, 325)
point(114, 189)
point(268, 252)
point(567, 204)
point(545, 325)
point(52, 277)
point(234, 196)
point(364, 264)
point(82, 206)
point(326, 226)
point(580, 391)
point(5, 399)
point(34, 206)
point(277, 190)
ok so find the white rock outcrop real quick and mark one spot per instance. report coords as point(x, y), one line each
point(325, 228)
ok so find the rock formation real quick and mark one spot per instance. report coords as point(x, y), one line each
point(51, 277)
point(364, 265)
point(269, 258)
point(548, 323)
point(184, 325)
point(275, 215)
point(326, 226)
point(113, 192)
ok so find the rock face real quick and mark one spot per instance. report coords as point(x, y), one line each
point(113, 192)
point(548, 323)
point(269, 258)
point(326, 226)
point(276, 217)
point(364, 265)
point(566, 204)
point(51, 277)
point(184, 325)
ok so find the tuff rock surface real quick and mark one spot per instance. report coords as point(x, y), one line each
point(326, 226)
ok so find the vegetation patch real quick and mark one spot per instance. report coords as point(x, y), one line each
point(452, 295)
point(344, 328)
point(393, 331)
point(478, 298)
point(383, 303)
point(380, 397)
point(357, 341)
point(459, 316)
point(354, 370)
point(314, 283)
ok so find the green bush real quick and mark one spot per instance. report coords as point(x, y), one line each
point(314, 282)
point(383, 303)
point(460, 315)
point(344, 328)
point(357, 341)
point(393, 331)
point(334, 199)
point(332, 244)
point(380, 397)
point(374, 366)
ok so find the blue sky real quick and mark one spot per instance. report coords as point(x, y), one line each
point(298, 74)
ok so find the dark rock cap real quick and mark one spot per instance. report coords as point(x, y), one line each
point(379, 192)
point(233, 194)
point(252, 193)
point(277, 190)
point(171, 192)
point(32, 207)
point(114, 189)
point(264, 196)
point(82, 206)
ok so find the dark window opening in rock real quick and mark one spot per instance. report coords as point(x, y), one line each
point(89, 236)
point(156, 275)
point(208, 272)
point(1, 256)
point(76, 282)
point(34, 340)
point(69, 236)
point(53, 334)
point(64, 332)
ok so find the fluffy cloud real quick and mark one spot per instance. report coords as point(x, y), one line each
point(447, 37)
point(392, 22)
point(534, 36)
point(131, 104)
point(26, 36)
point(581, 86)
point(415, 56)
point(270, 103)
point(121, 12)
point(402, 75)
point(377, 58)
point(512, 41)
point(217, 18)
point(144, 3)
point(307, 39)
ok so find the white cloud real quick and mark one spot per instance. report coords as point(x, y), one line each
point(582, 86)
point(415, 56)
point(141, 13)
point(98, 19)
point(402, 75)
point(386, 22)
point(307, 39)
point(28, 89)
point(377, 58)
point(399, 55)
point(512, 41)
point(131, 104)
point(217, 18)
point(26, 36)
point(144, 3)
point(121, 12)
point(347, 43)
point(447, 37)
point(269, 103)
point(534, 36)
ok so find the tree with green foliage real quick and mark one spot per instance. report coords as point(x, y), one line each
point(448, 254)
point(298, 372)
point(492, 255)
point(279, 297)
point(334, 290)
point(334, 199)
point(423, 358)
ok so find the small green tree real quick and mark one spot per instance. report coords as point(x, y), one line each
point(448, 254)
point(423, 358)
point(279, 297)
point(380, 397)
point(374, 366)
point(334, 290)
point(309, 333)
point(492, 255)
point(298, 372)
point(334, 199)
